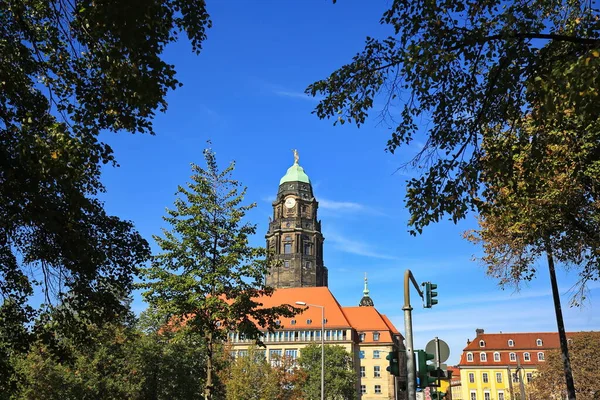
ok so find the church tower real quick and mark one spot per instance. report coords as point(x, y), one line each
point(294, 238)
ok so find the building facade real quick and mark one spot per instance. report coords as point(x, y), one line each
point(365, 333)
point(498, 366)
point(296, 244)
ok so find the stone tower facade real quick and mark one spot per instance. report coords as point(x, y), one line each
point(294, 238)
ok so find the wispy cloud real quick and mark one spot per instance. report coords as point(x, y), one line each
point(352, 246)
point(341, 205)
point(295, 95)
point(346, 207)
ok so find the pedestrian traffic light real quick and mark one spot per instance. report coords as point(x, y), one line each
point(438, 396)
point(394, 367)
point(430, 295)
point(425, 369)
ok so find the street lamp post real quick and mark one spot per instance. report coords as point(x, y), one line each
point(301, 303)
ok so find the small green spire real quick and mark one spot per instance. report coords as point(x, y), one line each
point(366, 301)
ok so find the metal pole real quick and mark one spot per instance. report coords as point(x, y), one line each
point(410, 355)
point(410, 360)
point(322, 353)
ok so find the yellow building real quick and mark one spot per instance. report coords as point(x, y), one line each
point(362, 331)
point(498, 366)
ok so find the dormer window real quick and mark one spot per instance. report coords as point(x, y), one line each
point(469, 357)
point(482, 343)
point(540, 356)
point(482, 357)
point(375, 336)
point(308, 321)
point(539, 342)
point(361, 337)
point(526, 357)
point(293, 322)
point(496, 356)
point(513, 357)
point(511, 343)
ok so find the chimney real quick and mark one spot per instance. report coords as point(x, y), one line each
point(468, 342)
point(479, 331)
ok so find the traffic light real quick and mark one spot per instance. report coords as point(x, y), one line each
point(425, 379)
point(438, 396)
point(394, 367)
point(430, 295)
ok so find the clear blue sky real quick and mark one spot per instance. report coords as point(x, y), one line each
point(245, 93)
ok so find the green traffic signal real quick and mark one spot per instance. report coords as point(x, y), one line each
point(425, 370)
point(394, 365)
point(430, 295)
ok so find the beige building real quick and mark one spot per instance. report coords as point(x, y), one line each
point(295, 240)
point(362, 331)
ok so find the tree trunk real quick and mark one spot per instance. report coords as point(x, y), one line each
point(208, 389)
point(561, 325)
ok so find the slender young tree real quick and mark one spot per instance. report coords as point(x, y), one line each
point(207, 276)
point(540, 204)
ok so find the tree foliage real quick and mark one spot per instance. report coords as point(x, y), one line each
point(584, 352)
point(251, 377)
point(207, 276)
point(70, 70)
point(119, 362)
point(540, 197)
point(340, 376)
point(466, 69)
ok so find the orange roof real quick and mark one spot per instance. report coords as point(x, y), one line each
point(368, 319)
point(390, 325)
point(321, 296)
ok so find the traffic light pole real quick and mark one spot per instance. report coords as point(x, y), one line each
point(410, 354)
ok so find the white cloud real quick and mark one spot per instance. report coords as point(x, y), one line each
point(348, 245)
point(346, 207)
point(295, 95)
point(340, 205)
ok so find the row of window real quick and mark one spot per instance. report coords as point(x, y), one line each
point(362, 336)
point(293, 336)
point(376, 354)
point(485, 377)
point(376, 371)
point(376, 389)
point(512, 356)
point(511, 343)
point(287, 247)
point(487, 396)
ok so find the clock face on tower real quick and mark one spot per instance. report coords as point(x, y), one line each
point(290, 202)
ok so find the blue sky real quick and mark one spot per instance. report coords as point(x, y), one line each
point(245, 93)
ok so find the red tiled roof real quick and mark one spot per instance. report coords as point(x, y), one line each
point(368, 319)
point(523, 343)
point(321, 296)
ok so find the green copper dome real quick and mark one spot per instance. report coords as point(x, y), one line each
point(295, 173)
